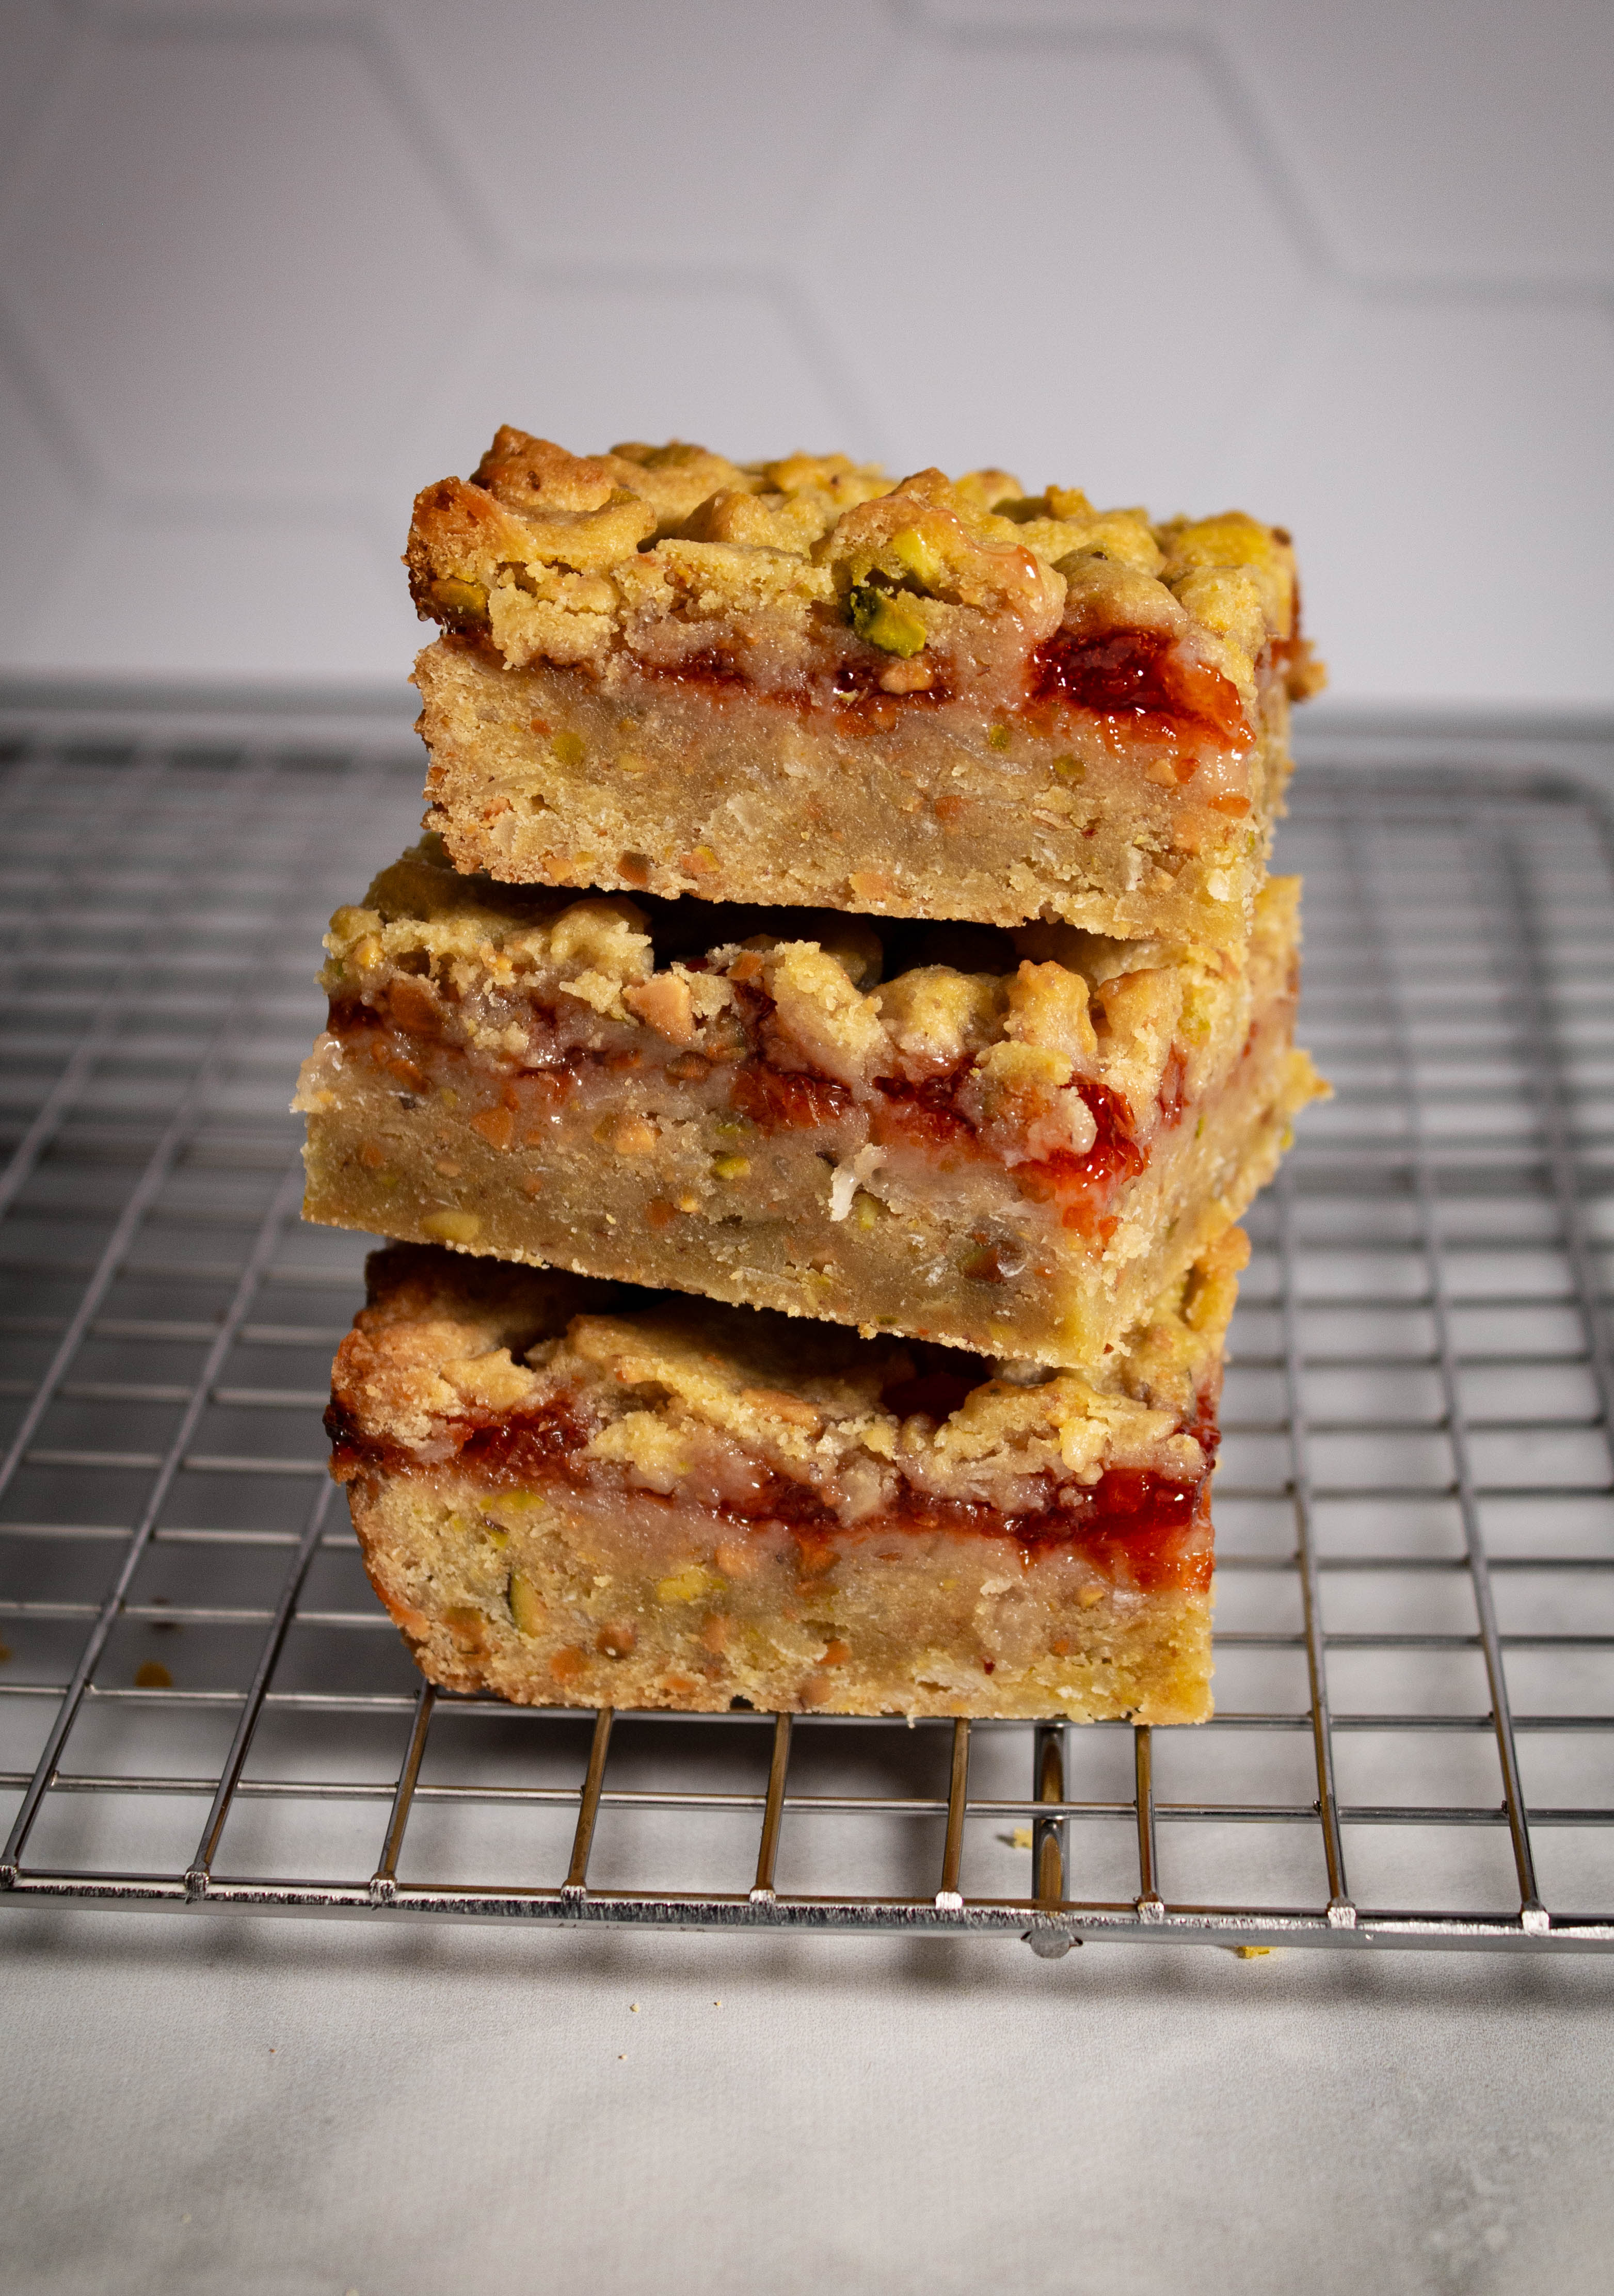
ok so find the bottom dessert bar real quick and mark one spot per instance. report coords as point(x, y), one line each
point(574, 1493)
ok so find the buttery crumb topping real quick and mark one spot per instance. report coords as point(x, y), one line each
point(814, 571)
point(1009, 1019)
point(662, 1389)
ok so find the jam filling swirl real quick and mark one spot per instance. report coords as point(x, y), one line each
point(775, 1100)
point(1134, 1523)
point(1139, 679)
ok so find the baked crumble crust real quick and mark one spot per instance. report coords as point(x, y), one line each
point(814, 571)
point(447, 1346)
point(520, 978)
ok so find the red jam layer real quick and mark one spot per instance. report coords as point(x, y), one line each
point(1131, 1524)
point(923, 1116)
point(1137, 681)
point(1142, 679)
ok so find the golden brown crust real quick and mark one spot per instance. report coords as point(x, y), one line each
point(808, 567)
point(799, 683)
point(999, 1274)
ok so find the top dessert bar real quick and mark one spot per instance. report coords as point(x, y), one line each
point(799, 683)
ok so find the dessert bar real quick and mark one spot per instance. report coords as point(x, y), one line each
point(1011, 1142)
point(575, 1493)
point(802, 683)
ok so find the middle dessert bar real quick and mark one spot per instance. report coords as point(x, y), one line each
point(1007, 1141)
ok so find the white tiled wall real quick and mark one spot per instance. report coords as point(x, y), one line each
point(268, 265)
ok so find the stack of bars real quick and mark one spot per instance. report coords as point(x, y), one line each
point(813, 1065)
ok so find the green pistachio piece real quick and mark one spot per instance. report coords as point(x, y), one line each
point(526, 1605)
point(886, 621)
point(458, 597)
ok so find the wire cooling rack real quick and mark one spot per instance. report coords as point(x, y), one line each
point(203, 1706)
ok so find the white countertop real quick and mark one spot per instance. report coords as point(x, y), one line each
point(276, 2106)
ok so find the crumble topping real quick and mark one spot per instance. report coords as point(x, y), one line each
point(675, 1394)
point(1020, 1033)
point(816, 576)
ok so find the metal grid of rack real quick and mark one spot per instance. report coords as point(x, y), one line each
point(202, 1705)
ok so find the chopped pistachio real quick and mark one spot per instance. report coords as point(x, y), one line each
point(569, 749)
point(457, 596)
point(526, 1605)
point(886, 621)
point(1069, 769)
point(915, 555)
point(997, 737)
point(730, 1167)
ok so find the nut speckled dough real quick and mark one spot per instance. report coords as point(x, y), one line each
point(1008, 1141)
point(574, 1493)
point(800, 683)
